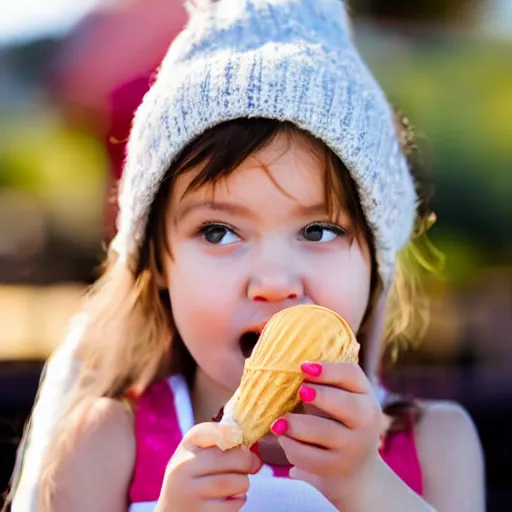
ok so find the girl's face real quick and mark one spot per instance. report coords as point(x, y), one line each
point(251, 245)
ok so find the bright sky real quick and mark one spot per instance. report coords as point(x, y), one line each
point(27, 19)
point(499, 18)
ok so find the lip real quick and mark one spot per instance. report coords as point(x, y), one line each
point(256, 328)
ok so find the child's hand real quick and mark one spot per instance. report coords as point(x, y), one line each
point(335, 453)
point(205, 478)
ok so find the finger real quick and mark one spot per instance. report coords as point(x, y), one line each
point(348, 376)
point(307, 457)
point(321, 432)
point(321, 483)
point(226, 485)
point(223, 505)
point(233, 504)
point(354, 410)
point(212, 461)
point(208, 434)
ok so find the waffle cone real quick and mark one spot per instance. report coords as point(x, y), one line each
point(272, 375)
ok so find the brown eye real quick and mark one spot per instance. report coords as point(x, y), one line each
point(218, 234)
point(322, 232)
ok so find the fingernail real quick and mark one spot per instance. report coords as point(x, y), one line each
point(311, 369)
point(307, 394)
point(279, 427)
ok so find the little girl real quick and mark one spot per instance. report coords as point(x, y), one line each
point(264, 169)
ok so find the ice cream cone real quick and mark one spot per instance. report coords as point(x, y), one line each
point(272, 375)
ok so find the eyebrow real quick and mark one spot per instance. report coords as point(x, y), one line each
point(238, 209)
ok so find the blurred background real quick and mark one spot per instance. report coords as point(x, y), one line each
point(71, 74)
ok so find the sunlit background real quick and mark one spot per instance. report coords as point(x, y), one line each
point(71, 73)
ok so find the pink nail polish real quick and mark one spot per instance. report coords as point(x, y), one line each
point(279, 427)
point(307, 394)
point(311, 369)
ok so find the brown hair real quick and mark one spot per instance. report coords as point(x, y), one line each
point(130, 339)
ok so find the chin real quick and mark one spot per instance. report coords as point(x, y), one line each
point(227, 381)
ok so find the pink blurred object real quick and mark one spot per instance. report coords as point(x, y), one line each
point(124, 100)
point(112, 46)
point(104, 68)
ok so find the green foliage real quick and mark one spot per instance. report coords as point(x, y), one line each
point(41, 156)
point(458, 93)
point(61, 169)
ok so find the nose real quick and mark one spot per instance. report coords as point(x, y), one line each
point(276, 280)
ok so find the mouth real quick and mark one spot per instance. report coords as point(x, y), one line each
point(249, 339)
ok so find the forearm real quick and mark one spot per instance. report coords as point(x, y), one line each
point(383, 491)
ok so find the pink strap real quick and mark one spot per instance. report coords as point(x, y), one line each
point(157, 434)
point(401, 455)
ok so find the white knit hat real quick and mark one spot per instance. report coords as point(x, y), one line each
point(289, 60)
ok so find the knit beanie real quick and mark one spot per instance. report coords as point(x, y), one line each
point(288, 60)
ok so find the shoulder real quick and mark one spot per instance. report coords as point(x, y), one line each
point(95, 473)
point(106, 414)
point(444, 414)
point(106, 428)
point(108, 424)
point(445, 424)
point(451, 457)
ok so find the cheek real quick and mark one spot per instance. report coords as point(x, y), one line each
point(359, 297)
point(203, 294)
point(345, 286)
point(203, 279)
